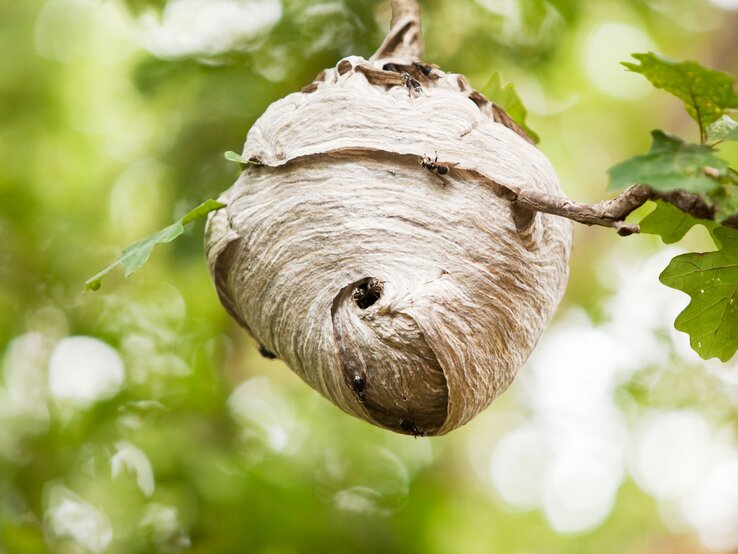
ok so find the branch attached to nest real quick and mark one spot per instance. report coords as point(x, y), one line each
point(405, 39)
point(609, 213)
point(404, 8)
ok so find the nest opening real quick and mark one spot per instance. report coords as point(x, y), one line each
point(367, 293)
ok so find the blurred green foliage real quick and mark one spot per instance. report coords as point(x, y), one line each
point(102, 142)
point(508, 98)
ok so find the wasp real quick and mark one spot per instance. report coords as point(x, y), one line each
point(434, 166)
point(412, 428)
point(268, 354)
point(423, 68)
point(411, 84)
point(358, 384)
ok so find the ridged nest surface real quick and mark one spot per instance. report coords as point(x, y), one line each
point(371, 247)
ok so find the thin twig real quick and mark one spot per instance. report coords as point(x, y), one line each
point(405, 40)
point(609, 213)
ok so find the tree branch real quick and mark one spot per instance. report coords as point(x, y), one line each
point(402, 9)
point(609, 213)
point(405, 39)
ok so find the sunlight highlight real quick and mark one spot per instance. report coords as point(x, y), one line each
point(207, 27)
point(71, 517)
point(263, 414)
point(726, 4)
point(84, 370)
point(131, 458)
point(605, 47)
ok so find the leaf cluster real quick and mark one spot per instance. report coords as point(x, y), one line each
point(671, 164)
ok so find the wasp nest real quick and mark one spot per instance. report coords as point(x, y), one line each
point(373, 247)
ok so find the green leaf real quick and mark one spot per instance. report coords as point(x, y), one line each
point(232, 156)
point(201, 211)
point(711, 281)
point(706, 92)
point(725, 199)
point(723, 129)
point(239, 159)
point(670, 222)
point(137, 254)
point(671, 164)
point(507, 98)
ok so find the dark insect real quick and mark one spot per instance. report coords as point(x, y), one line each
point(412, 428)
point(367, 293)
point(411, 84)
point(268, 354)
point(434, 166)
point(359, 385)
point(423, 68)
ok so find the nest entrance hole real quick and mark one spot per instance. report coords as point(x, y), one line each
point(367, 292)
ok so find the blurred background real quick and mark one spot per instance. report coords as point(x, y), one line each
point(141, 419)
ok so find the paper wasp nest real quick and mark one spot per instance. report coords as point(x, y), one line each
point(370, 246)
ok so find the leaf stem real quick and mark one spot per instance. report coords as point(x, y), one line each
point(698, 113)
